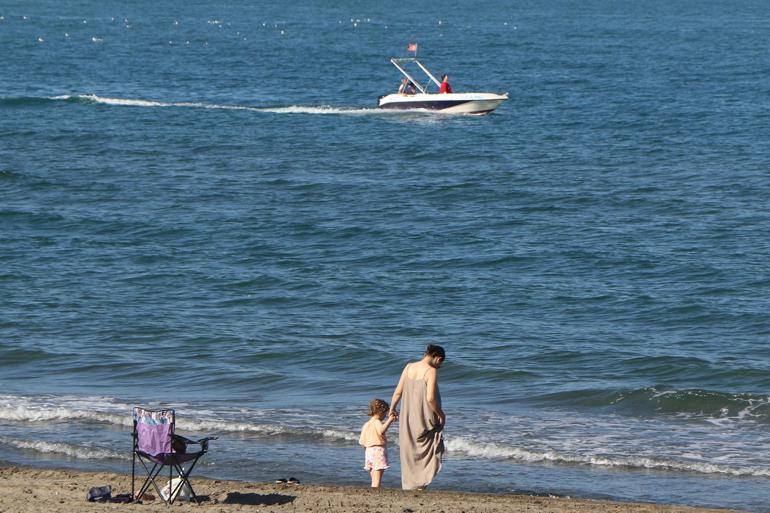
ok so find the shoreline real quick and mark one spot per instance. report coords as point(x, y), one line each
point(27, 490)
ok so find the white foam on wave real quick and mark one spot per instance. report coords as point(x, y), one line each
point(24, 409)
point(748, 413)
point(71, 450)
point(296, 425)
point(224, 426)
point(340, 435)
point(20, 413)
point(108, 411)
point(496, 451)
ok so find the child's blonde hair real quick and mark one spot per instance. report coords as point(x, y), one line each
point(378, 407)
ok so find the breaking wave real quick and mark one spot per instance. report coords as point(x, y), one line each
point(295, 427)
point(473, 449)
point(64, 449)
point(21, 409)
point(708, 405)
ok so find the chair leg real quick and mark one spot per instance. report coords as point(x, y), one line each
point(150, 481)
point(184, 478)
point(133, 474)
point(152, 474)
point(146, 482)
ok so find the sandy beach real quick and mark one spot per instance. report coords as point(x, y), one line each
point(27, 490)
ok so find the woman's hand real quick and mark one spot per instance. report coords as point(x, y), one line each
point(393, 414)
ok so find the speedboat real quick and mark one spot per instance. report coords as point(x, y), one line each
point(450, 103)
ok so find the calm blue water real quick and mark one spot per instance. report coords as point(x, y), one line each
point(200, 207)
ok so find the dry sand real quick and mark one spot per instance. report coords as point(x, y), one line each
point(28, 490)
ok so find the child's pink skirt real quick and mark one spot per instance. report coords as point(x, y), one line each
point(376, 458)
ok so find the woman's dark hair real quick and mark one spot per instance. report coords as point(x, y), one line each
point(432, 350)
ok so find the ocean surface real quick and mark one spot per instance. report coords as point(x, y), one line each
point(201, 208)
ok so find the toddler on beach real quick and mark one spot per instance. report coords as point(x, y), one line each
point(374, 440)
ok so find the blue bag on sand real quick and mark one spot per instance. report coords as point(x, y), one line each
point(99, 493)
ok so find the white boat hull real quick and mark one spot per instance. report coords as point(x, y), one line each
point(452, 103)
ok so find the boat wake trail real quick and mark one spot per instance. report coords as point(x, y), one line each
point(292, 109)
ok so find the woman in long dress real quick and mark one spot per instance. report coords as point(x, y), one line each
point(421, 420)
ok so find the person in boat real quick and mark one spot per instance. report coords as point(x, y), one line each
point(407, 87)
point(445, 87)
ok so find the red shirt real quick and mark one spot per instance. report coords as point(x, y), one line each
point(445, 88)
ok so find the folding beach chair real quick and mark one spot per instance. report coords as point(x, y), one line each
point(156, 446)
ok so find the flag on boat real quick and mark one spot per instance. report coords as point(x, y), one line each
point(411, 47)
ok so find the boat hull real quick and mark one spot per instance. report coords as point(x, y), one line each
point(453, 103)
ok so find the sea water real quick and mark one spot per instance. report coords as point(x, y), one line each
point(201, 208)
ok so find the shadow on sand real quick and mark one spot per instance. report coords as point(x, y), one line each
point(254, 499)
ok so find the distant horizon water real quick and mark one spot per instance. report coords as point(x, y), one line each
point(202, 208)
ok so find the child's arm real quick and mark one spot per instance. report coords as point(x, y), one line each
point(391, 419)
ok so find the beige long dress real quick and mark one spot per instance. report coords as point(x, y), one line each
point(419, 436)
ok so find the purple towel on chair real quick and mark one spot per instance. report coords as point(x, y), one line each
point(153, 430)
point(153, 440)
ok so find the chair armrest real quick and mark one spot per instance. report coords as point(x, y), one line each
point(204, 442)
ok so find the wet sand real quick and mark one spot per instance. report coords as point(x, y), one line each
point(27, 490)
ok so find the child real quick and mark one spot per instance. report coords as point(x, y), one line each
point(373, 438)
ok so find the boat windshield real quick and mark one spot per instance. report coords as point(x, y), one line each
point(411, 64)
